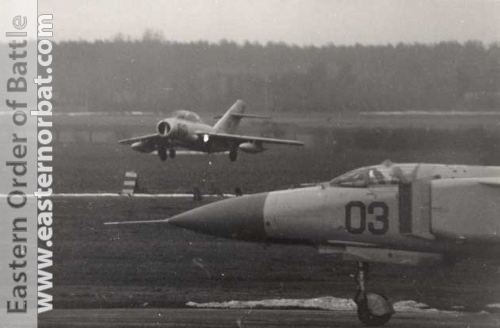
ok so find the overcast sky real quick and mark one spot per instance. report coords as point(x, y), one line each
point(301, 22)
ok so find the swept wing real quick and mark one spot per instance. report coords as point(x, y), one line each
point(241, 139)
point(147, 138)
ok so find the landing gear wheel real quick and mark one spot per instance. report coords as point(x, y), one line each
point(171, 152)
point(233, 154)
point(162, 153)
point(373, 309)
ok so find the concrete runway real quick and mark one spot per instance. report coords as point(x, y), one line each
point(251, 318)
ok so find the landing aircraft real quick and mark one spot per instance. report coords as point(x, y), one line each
point(409, 214)
point(185, 129)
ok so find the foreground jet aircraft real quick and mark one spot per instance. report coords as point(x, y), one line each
point(185, 129)
point(411, 214)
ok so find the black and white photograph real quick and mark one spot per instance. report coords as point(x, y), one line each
point(267, 163)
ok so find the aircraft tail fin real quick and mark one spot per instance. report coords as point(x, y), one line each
point(231, 119)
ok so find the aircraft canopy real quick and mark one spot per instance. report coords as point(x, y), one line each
point(186, 116)
point(376, 175)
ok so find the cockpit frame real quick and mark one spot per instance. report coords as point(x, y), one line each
point(375, 176)
point(186, 115)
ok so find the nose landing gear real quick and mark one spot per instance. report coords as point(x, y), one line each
point(373, 309)
point(162, 153)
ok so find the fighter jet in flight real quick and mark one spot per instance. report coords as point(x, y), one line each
point(409, 214)
point(185, 129)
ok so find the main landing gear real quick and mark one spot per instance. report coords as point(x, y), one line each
point(162, 153)
point(233, 154)
point(373, 309)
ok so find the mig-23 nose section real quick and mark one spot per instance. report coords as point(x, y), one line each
point(237, 218)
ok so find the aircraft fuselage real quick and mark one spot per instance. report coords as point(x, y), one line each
point(190, 135)
point(404, 214)
point(409, 214)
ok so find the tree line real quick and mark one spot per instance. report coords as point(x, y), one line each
point(153, 74)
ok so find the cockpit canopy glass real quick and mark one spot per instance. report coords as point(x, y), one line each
point(372, 176)
point(186, 116)
point(354, 178)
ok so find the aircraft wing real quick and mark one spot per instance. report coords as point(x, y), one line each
point(191, 153)
point(492, 182)
point(237, 115)
point(147, 138)
point(241, 139)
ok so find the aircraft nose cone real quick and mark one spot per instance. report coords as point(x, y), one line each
point(236, 218)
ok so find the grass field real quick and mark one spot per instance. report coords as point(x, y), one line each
point(156, 265)
point(148, 266)
point(159, 266)
point(147, 120)
point(101, 167)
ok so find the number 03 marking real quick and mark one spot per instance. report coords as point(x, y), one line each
point(381, 221)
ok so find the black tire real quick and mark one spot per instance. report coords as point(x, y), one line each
point(162, 153)
point(366, 316)
point(233, 154)
point(369, 319)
